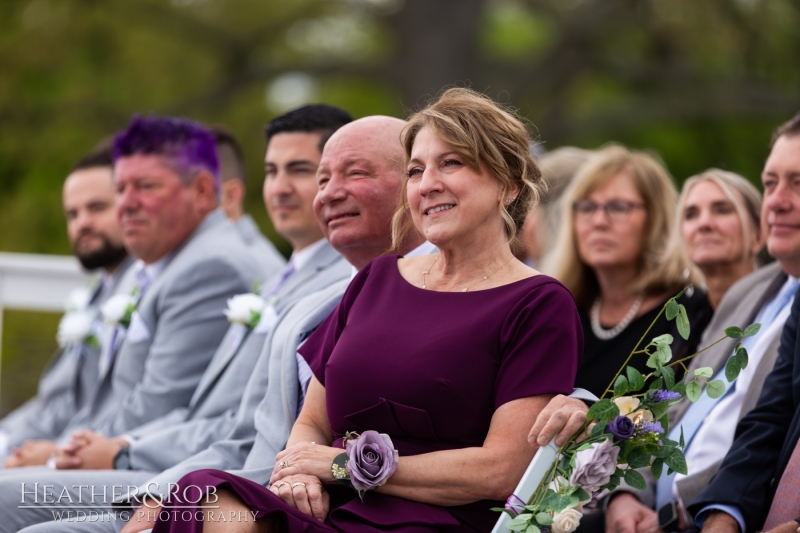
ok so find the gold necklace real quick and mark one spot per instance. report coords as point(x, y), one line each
point(484, 278)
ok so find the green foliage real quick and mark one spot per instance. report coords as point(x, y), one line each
point(604, 411)
point(635, 379)
point(635, 479)
point(734, 332)
point(683, 322)
point(715, 388)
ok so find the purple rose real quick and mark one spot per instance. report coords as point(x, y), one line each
point(621, 427)
point(372, 459)
point(594, 466)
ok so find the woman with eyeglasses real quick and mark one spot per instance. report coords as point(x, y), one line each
point(616, 254)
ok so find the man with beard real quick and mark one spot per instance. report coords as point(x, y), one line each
point(71, 375)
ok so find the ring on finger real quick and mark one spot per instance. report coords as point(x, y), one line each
point(284, 464)
point(298, 484)
point(279, 485)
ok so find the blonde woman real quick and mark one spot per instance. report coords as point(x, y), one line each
point(452, 355)
point(615, 253)
point(719, 214)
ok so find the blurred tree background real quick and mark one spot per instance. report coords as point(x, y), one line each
point(701, 83)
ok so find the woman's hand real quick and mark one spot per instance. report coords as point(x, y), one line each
point(305, 458)
point(305, 493)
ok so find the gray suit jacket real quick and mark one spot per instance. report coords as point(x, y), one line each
point(158, 369)
point(268, 257)
point(738, 307)
point(212, 411)
point(68, 380)
point(269, 405)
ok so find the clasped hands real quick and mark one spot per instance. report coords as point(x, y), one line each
point(299, 474)
point(87, 451)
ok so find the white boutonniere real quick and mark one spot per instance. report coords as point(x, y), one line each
point(78, 299)
point(77, 327)
point(118, 310)
point(245, 309)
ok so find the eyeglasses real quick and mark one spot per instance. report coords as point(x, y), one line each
point(615, 210)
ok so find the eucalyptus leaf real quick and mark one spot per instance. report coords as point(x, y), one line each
point(635, 479)
point(621, 386)
point(544, 519)
point(680, 388)
point(562, 502)
point(520, 523)
point(704, 372)
point(715, 388)
point(693, 391)
point(734, 332)
point(683, 322)
point(605, 410)
point(664, 353)
point(732, 369)
point(533, 529)
point(669, 377)
point(742, 358)
point(752, 329)
point(635, 379)
point(672, 309)
point(666, 338)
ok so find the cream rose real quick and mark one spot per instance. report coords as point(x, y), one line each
point(642, 416)
point(626, 404)
point(566, 521)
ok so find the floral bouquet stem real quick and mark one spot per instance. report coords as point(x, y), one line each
point(628, 431)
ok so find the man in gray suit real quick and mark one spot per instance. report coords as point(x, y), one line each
point(233, 187)
point(191, 260)
point(293, 153)
point(71, 376)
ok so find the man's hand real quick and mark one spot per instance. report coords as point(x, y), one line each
point(722, 522)
point(626, 514)
point(89, 451)
point(564, 416)
point(32, 453)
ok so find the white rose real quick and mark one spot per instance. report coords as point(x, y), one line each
point(78, 299)
point(242, 307)
point(74, 327)
point(626, 404)
point(566, 521)
point(115, 308)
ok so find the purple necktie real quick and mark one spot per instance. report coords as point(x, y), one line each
point(288, 270)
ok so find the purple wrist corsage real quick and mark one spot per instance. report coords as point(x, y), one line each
point(371, 460)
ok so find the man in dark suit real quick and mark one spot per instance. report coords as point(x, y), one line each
point(758, 485)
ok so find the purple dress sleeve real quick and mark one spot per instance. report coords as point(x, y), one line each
point(543, 345)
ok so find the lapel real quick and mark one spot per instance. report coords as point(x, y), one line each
point(762, 371)
point(321, 259)
point(212, 220)
point(741, 313)
point(231, 345)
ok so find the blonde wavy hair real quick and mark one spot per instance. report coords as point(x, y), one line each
point(747, 204)
point(662, 265)
point(489, 138)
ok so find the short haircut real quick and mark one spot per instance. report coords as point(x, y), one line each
point(101, 157)
point(189, 146)
point(313, 118)
point(229, 154)
point(788, 129)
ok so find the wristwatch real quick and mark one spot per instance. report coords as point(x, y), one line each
point(668, 518)
point(122, 461)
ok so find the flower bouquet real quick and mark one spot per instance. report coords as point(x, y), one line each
point(625, 431)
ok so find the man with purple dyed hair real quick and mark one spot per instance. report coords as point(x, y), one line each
point(191, 260)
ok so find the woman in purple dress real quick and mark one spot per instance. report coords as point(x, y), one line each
point(452, 356)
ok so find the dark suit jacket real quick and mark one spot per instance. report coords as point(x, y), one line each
point(764, 439)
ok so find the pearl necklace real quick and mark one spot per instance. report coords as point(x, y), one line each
point(608, 334)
